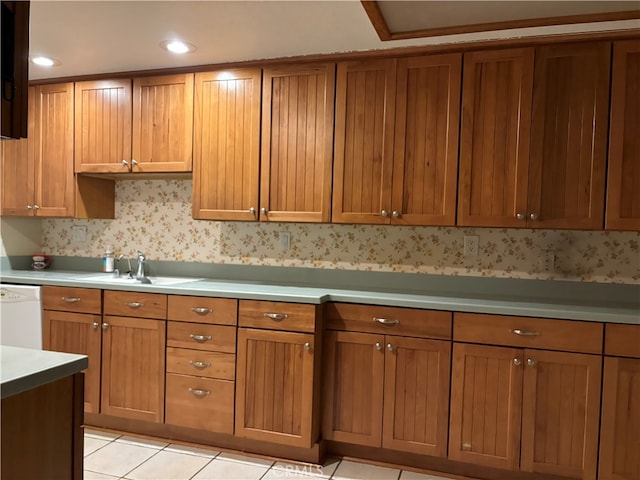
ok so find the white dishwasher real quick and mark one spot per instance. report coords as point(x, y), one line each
point(20, 316)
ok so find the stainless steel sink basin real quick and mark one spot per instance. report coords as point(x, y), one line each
point(124, 280)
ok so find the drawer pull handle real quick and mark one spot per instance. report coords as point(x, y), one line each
point(523, 333)
point(202, 310)
point(276, 316)
point(200, 365)
point(199, 393)
point(135, 304)
point(71, 299)
point(386, 321)
point(200, 338)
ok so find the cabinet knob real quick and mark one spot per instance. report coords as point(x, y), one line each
point(395, 214)
point(517, 362)
point(105, 325)
point(378, 346)
point(389, 347)
point(29, 207)
point(252, 211)
point(95, 325)
point(263, 211)
point(533, 216)
point(531, 362)
point(384, 213)
point(134, 163)
point(125, 163)
point(307, 346)
point(36, 207)
point(520, 216)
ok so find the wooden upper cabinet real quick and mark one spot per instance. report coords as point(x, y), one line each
point(494, 137)
point(569, 136)
point(54, 178)
point(425, 160)
point(623, 181)
point(103, 126)
point(363, 163)
point(297, 143)
point(226, 145)
point(162, 123)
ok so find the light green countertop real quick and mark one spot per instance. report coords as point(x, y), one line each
point(533, 298)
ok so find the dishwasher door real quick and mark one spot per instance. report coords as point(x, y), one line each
point(20, 316)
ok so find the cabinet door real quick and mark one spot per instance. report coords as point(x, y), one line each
point(297, 143)
point(620, 427)
point(494, 138)
point(560, 413)
point(425, 160)
point(162, 123)
point(133, 368)
point(226, 145)
point(81, 334)
point(54, 179)
point(486, 405)
point(623, 180)
point(365, 109)
point(274, 387)
point(103, 126)
point(416, 395)
point(353, 387)
point(569, 136)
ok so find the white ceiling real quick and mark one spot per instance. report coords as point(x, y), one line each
point(90, 37)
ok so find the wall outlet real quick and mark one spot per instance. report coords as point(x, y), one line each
point(470, 245)
point(547, 261)
point(79, 233)
point(285, 241)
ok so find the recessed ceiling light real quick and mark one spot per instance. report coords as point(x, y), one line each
point(44, 61)
point(178, 46)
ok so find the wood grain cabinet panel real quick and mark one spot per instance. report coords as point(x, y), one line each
point(297, 143)
point(494, 137)
point(103, 112)
point(226, 145)
point(275, 387)
point(623, 180)
point(569, 136)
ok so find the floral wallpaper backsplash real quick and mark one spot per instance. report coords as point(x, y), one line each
point(154, 216)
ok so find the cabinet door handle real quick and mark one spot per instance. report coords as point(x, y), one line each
point(29, 207)
point(105, 325)
point(200, 338)
point(125, 163)
point(307, 346)
point(517, 362)
point(71, 299)
point(252, 211)
point(95, 325)
point(395, 214)
point(533, 216)
point(520, 216)
point(389, 347)
point(523, 333)
point(263, 211)
point(384, 213)
point(531, 362)
point(378, 346)
point(201, 310)
point(36, 207)
point(276, 316)
point(135, 304)
point(386, 321)
point(199, 393)
point(200, 365)
point(134, 163)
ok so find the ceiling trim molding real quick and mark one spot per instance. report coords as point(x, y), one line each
point(381, 27)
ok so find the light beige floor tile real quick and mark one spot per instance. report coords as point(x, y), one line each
point(237, 458)
point(143, 442)
point(89, 432)
point(88, 475)
point(92, 444)
point(406, 475)
point(118, 458)
point(348, 470)
point(230, 470)
point(169, 466)
point(295, 471)
point(186, 449)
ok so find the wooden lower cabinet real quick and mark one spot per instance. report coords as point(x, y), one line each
point(524, 409)
point(275, 387)
point(133, 361)
point(387, 391)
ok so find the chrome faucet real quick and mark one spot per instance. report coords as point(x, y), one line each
point(140, 271)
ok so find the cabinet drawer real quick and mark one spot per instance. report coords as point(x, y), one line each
point(69, 299)
point(293, 317)
point(200, 403)
point(135, 304)
point(221, 311)
point(389, 320)
point(622, 340)
point(201, 336)
point(201, 363)
point(566, 335)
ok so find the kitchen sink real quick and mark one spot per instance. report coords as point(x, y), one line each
point(124, 280)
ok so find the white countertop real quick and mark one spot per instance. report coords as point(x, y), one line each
point(22, 369)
